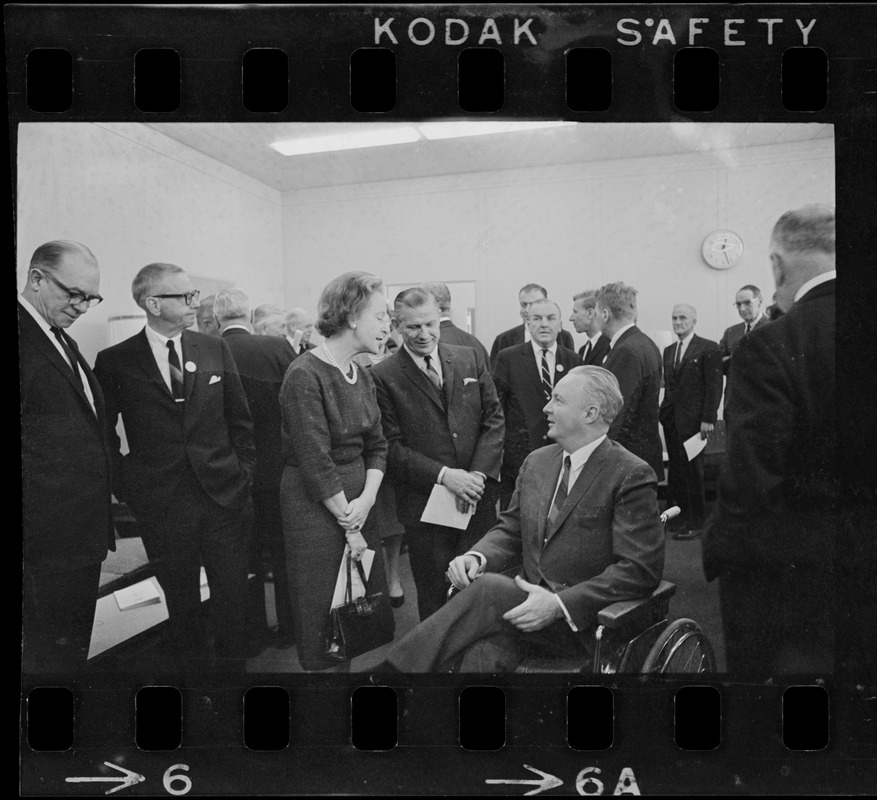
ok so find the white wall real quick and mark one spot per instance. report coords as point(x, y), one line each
point(569, 227)
point(134, 196)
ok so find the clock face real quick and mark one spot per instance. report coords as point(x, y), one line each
point(722, 249)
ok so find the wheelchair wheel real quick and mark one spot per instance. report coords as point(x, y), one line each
point(683, 648)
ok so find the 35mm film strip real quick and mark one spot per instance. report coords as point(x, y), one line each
point(133, 74)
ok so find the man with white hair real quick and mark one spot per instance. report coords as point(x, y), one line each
point(269, 320)
point(776, 531)
point(584, 530)
point(299, 327)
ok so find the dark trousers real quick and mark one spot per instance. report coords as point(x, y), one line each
point(195, 530)
point(778, 620)
point(58, 615)
point(685, 479)
point(268, 535)
point(432, 547)
point(468, 634)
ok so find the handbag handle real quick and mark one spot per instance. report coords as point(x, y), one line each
point(348, 594)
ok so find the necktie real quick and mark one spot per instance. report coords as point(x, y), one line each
point(431, 372)
point(561, 493)
point(587, 352)
point(678, 357)
point(748, 328)
point(173, 361)
point(66, 342)
point(546, 375)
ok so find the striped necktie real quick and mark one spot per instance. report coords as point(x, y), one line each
point(587, 352)
point(173, 361)
point(68, 345)
point(561, 493)
point(546, 375)
point(431, 372)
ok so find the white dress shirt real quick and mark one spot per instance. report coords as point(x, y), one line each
point(684, 342)
point(551, 356)
point(618, 333)
point(814, 282)
point(46, 328)
point(158, 345)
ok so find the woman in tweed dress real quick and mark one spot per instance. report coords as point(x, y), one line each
point(335, 455)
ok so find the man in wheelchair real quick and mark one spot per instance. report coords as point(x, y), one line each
point(582, 532)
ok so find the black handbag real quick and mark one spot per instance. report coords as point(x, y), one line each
point(359, 625)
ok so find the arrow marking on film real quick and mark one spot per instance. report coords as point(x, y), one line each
point(546, 782)
point(127, 779)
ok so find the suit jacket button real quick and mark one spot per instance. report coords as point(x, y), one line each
point(545, 437)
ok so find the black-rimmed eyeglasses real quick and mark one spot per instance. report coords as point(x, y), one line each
point(73, 297)
point(187, 298)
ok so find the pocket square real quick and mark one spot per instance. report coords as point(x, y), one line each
point(215, 379)
point(467, 381)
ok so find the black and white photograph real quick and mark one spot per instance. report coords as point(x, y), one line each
point(434, 404)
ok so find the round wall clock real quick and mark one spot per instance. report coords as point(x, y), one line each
point(722, 249)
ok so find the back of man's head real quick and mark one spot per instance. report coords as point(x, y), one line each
point(441, 293)
point(806, 231)
point(619, 299)
point(265, 310)
point(204, 316)
point(231, 306)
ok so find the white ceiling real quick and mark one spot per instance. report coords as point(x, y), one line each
point(244, 146)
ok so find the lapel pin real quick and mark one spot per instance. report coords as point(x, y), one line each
point(190, 366)
point(559, 368)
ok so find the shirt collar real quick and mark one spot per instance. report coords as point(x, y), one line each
point(687, 338)
point(418, 359)
point(157, 338)
point(537, 348)
point(580, 457)
point(236, 326)
point(814, 282)
point(595, 338)
point(444, 319)
point(618, 333)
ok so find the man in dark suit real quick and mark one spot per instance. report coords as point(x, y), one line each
point(636, 361)
point(187, 474)
point(64, 460)
point(692, 389)
point(299, 327)
point(585, 320)
point(450, 333)
point(524, 376)
point(520, 334)
point(584, 530)
point(774, 536)
point(444, 425)
point(748, 302)
point(261, 362)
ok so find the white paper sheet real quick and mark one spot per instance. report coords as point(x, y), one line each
point(140, 594)
point(358, 590)
point(694, 445)
point(441, 509)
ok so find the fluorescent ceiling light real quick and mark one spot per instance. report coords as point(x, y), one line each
point(350, 140)
point(374, 136)
point(460, 128)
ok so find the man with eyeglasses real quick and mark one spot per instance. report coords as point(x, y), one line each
point(65, 461)
point(748, 303)
point(186, 476)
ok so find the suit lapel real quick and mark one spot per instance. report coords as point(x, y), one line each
point(589, 472)
point(190, 354)
point(527, 362)
point(416, 376)
point(449, 375)
point(691, 351)
point(550, 476)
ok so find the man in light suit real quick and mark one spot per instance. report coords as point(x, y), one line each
point(262, 362)
point(693, 387)
point(187, 474)
point(520, 334)
point(65, 461)
point(748, 302)
point(299, 327)
point(636, 361)
point(444, 425)
point(524, 376)
point(584, 529)
point(451, 334)
point(780, 541)
point(585, 320)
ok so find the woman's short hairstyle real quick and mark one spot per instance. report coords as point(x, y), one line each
point(148, 278)
point(343, 300)
point(602, 389)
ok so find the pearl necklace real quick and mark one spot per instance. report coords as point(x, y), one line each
point(334, 363)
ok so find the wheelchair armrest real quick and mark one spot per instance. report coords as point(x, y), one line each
point(642, 612)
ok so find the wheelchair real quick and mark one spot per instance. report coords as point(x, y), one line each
point(636, 636)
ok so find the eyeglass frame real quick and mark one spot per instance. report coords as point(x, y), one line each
point(90, 300)
point(186, 297)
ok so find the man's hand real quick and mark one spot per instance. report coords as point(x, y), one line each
point(539, 610)
point(463, 570)
point(463, 506)
point(706, 428)
point(468, 486)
